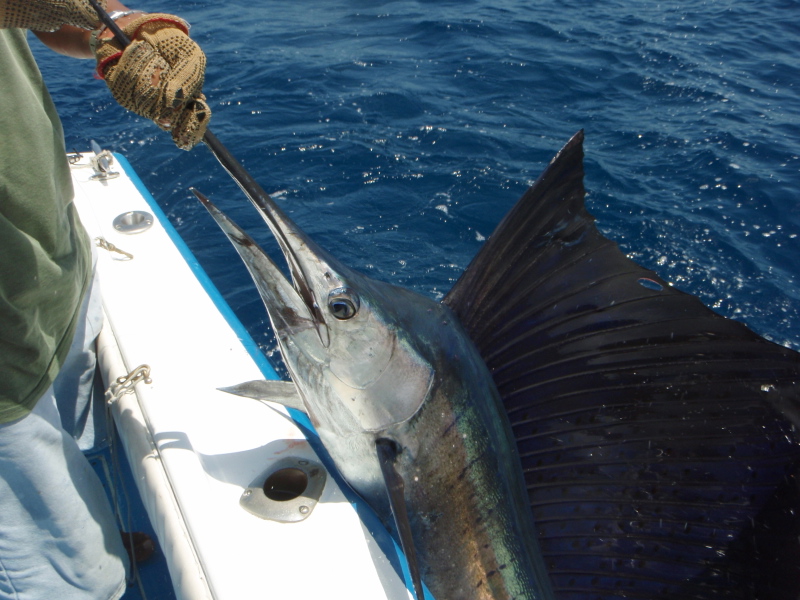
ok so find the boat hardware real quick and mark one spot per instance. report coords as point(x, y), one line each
point(106, 245)
point(287, 492)
point(134, 221)
point(102, 163)
point(124, 385)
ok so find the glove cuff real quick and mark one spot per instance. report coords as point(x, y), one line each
point(48, 15)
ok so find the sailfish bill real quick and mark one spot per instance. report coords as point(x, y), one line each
point(565, 424)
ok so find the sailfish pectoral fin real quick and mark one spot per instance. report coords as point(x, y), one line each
point(395, 487)
point(280, 392)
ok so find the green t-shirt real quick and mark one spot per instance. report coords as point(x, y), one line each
point(45, 257)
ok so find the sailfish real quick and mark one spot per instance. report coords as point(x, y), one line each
point(564, 424)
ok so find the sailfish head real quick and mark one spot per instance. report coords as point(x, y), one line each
point(342, 335)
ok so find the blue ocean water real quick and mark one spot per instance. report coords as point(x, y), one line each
point(398, 133)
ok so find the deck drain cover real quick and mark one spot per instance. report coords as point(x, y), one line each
point(135, 221)
point(287, 492)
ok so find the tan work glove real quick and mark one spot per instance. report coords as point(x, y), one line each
point(159, 76)
point(48, 15)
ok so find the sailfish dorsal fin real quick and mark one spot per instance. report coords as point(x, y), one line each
point(658, 439)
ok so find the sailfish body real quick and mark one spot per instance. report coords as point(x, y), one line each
point(563, 425)
point(409, 413)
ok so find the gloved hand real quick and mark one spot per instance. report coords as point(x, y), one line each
point(159, 76)
point(48, 15)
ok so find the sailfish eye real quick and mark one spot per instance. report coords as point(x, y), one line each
point(343, 303)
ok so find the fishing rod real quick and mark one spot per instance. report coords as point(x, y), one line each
point(234, 168)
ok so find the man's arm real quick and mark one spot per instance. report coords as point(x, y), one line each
point(73, 41)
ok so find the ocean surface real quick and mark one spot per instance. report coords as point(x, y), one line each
point(399, 133)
